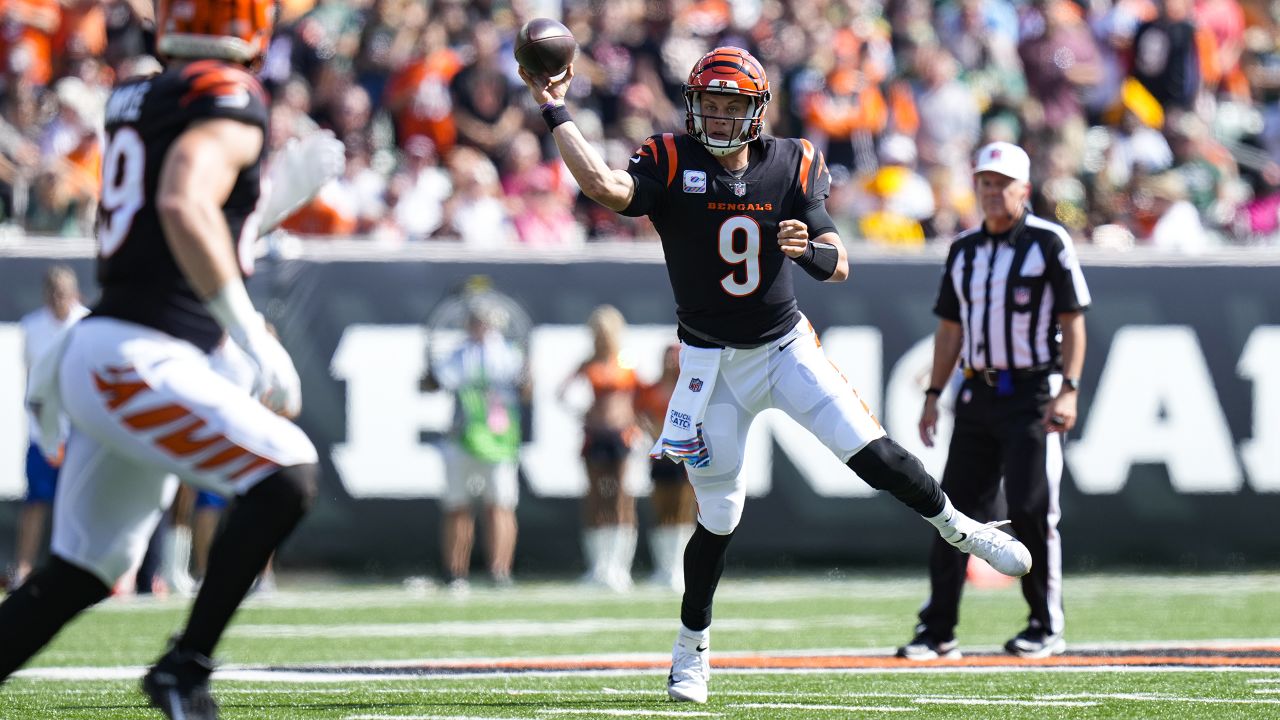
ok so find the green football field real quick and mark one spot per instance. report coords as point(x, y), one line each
point(1176, 647)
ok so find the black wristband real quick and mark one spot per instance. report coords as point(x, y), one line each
point(819, 260)
point(936, 392)
point(555, 115)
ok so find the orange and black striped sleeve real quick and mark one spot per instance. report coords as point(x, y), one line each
point(654, 167)
point(813, 186)
point(215, 89)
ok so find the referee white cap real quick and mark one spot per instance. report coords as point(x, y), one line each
point(1004, 158)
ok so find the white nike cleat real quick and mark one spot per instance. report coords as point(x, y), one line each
point(1001, 550)
point(690, 666)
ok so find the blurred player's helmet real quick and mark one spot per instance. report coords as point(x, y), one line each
point(727, 71)
point(235, 30)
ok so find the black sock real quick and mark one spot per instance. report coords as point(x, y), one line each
point(703, 566)
point(36, 611)
point(885, 465)
point(256, 524)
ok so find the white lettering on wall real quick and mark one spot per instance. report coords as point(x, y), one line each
point(13, 418)
point(384, 455)
point(1155, 403)
point(1260, 362)
point(907, 383)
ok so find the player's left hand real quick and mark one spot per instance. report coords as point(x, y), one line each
point(545, 89)
point(793, 237)
point(1061, 414)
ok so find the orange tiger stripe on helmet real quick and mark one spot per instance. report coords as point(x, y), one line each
point(235, 30)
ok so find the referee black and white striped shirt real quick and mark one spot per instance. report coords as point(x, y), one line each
point(1007, 291)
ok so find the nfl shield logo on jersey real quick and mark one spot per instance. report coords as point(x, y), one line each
point(695, 385)
point(1021, 295)
point(695, 181)
point(739, 188)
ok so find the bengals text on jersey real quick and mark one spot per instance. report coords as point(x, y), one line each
point(141, 282)
point(719, 232)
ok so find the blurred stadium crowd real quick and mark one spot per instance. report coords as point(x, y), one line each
point(1150, 122)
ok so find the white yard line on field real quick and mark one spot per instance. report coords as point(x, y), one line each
point(525, 628)
point(424, 717)
point(806, 706)
point(991, 701)
point(625, 713)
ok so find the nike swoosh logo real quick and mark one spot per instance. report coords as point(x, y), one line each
point(701, 648)
point(635, 159)
point(785, 344)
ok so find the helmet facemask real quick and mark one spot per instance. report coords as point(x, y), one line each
point(751, 123)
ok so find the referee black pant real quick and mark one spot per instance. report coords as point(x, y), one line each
point(999, 435)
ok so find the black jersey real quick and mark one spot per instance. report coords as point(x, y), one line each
point(719, 233)
point(140, 279)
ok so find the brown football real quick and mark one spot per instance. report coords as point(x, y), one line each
point(544, 47)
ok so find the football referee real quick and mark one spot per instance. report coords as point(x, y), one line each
point(1010, 310)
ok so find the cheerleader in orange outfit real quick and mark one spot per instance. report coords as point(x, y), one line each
point(609, 430)
point(672, 495)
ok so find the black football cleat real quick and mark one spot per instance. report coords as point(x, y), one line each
point(178, 684)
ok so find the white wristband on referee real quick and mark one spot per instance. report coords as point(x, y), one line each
point(233, 309)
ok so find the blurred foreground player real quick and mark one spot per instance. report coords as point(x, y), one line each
point(177, 223)
point(735, 208)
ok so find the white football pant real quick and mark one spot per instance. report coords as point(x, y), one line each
point(145, 407)
point(791, 374)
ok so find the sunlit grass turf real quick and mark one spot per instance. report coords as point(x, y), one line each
point(353, 623)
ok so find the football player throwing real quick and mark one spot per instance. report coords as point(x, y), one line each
point(736, 209)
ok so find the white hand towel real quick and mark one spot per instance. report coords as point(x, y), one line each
point(681, 438)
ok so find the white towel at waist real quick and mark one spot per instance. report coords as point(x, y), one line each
point(681, 438)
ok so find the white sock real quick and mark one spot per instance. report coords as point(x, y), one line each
point(946, 520)
point(594, 545)
point(661, 539)
point(177, 558)
point(691, 640)
point(624, 550)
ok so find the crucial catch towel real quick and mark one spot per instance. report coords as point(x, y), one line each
point(681, 438)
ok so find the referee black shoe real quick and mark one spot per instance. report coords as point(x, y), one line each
point(1035, 643)
point(926, 647)
point(178, 684)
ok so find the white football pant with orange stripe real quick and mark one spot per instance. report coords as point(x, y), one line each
point(145, 407)
point(791, 374)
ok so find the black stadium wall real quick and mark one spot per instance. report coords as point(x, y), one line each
point(1175, 462)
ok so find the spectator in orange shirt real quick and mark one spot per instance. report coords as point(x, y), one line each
point(27, 28)
point(418, 96)
point(609, 429)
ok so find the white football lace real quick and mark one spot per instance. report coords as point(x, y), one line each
point(991, 540)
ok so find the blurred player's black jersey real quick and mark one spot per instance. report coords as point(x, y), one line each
point(140, 279)
point(720, 233)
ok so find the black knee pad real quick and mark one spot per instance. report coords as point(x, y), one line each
point(883, 463)
point(292, 489)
